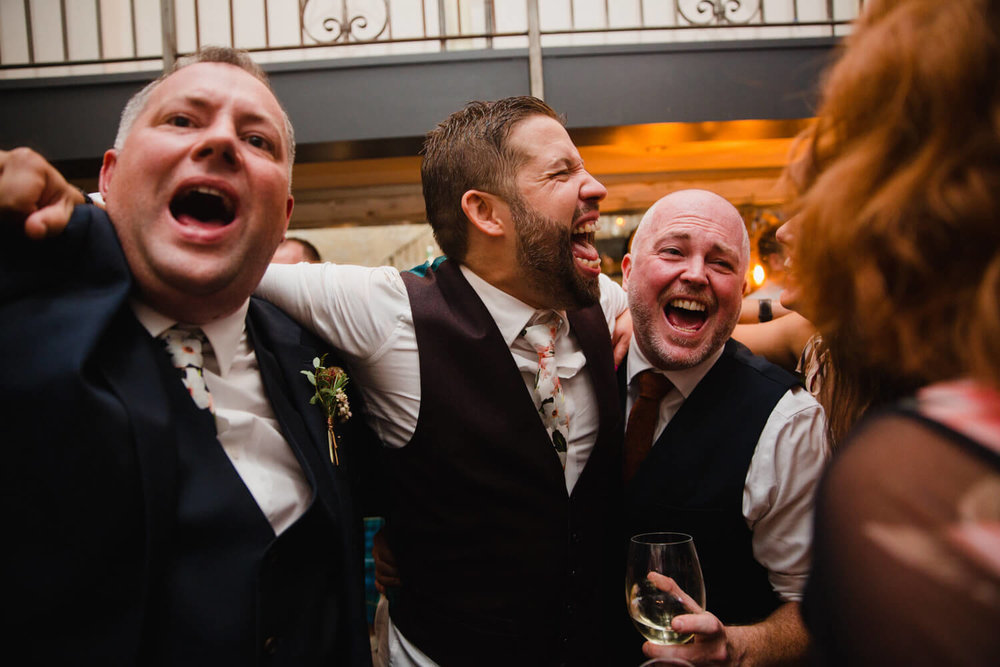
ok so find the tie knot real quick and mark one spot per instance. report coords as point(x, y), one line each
point(184, 345)
point(183, 331)
point(653, 385)
point(541, 330)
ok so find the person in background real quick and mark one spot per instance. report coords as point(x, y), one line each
point(294, 250)
point(733, 445)
point(792, 342)
point(179, 501)
point(899, 204)
point(771, 253)
point(763, 305)
point(490, 377)
point(786, 339)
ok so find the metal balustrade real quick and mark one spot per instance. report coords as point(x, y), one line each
point(43, 37)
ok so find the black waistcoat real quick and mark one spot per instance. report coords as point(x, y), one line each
point(499, 566)
point(231, 592)
point(692, 481)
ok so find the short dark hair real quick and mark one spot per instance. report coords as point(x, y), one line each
point(308, 249)
point(469, 151)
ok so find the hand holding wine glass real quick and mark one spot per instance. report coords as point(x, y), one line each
point(681, 591)
point(712, 640)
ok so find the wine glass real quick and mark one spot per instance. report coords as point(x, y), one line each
point(652, 610)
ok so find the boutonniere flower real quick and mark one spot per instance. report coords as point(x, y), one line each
point(330, 395)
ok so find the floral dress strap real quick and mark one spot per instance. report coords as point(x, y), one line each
point(966, 406)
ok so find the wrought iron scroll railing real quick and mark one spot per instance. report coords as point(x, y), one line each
point(39, 37)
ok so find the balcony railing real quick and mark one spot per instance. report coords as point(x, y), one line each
point(43, 37)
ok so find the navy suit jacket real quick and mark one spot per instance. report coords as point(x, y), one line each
point(89, 447)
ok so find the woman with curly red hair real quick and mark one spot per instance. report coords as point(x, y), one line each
point(898, 242)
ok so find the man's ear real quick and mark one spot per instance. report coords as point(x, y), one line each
point(486, 212)
point(107, 171)
point(289, 205)
point(626, 269)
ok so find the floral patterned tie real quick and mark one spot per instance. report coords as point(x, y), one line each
point(185, 348)
point(552, 404)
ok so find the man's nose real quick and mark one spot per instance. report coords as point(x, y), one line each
point(694, 271)
point(593, 189)
point(218, 141)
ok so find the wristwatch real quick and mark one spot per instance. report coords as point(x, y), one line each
point(764, 313)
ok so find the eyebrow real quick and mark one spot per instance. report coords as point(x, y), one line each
point(686, 236)
point(563, 162)
point(204, 102)
point(190, 99)
point(670, 236)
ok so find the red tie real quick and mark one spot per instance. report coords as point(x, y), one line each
point(653, 386)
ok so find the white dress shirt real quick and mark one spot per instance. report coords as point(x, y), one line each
point(245, 423)
point(778, 494)
point(365, 313)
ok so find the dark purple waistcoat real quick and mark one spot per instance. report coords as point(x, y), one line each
point(499, 565)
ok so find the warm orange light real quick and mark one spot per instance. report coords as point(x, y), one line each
point(758, 275)
point(620, 221)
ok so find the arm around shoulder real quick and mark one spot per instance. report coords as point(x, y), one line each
point(780, 341)
point(355, 309)
point(614, 299)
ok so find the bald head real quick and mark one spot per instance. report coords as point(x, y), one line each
point(691, 205)
point(685, 277)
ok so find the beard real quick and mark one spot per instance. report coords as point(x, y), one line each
point(668, 354)
point(545, 257)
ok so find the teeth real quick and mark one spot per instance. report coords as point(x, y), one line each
point(590, 263)
point(687, 304)
point(588, 228)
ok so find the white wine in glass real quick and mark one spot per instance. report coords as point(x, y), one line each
point(652, 610)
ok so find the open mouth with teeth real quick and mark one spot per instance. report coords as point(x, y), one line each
point(686, 314)
point(584, 251)
point(204, 205)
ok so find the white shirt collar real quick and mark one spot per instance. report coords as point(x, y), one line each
point(685, 380)
point(510, 313)
point(223, 333)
